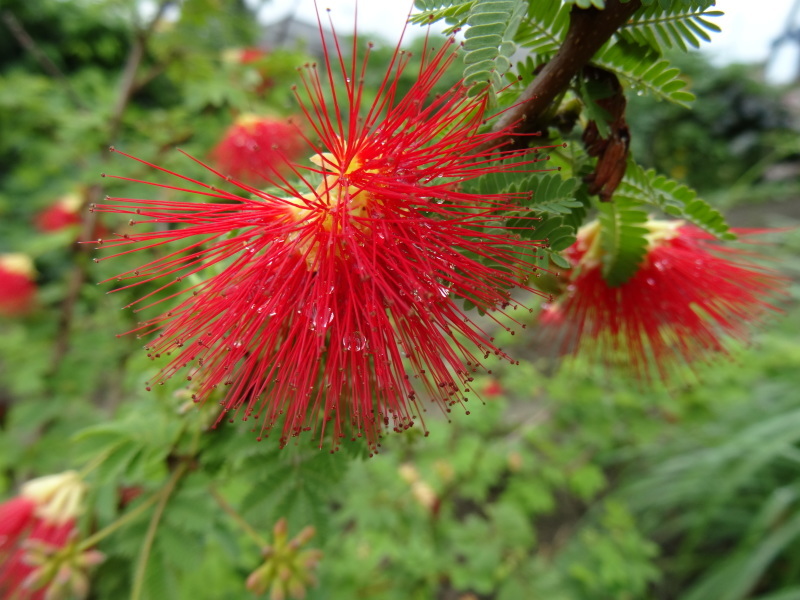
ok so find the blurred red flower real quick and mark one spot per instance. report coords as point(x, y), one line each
point(40, 520)
point(329, 305)
point(17, 285)
point(254, 148)
point(493, 388)
point(689, 296)
point(257, 73)
point(63, 213)
point(249, 55)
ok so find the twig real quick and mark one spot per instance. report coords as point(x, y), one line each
point(122, 521)
point(152, 73)
point(27, 42)
point(246, 527)
point(152, 528)
point(128, 81)
point(80, 273)
point(77, 277)
point(588, 30)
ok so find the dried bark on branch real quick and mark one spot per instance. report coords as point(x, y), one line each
point(588, 30)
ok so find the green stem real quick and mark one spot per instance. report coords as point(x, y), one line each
point(248, 529)
point(95, 462)
point(124, 520)
point(147, 545)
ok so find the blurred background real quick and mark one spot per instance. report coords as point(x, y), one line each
point(569, 483)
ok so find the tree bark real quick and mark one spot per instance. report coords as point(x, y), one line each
point(588, 30)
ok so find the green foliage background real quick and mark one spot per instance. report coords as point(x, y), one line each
point(569, 482)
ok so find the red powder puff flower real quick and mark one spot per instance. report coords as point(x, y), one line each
point(688, 297)
point(331, 303)
point(249, 55)
point(17, 286)
point(65, 212)
point(255, 148)
point(41, 520)
point(16, 517)
point(493, 388)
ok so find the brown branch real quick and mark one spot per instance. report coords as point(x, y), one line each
point(77, 277)
point(27, 42)
point(80, 272)
point(128, 83)
point(588, 30)
point(611, 151)
point(152, 73)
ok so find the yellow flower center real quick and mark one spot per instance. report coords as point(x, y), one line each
point(334, 196)
point(589, 239)
point(18, 263)
point(335, 204)
point(249, 122)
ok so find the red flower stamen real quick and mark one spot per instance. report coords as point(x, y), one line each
point(329, 304)
point(689, 297)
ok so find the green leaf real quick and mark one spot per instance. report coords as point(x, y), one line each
point(601, 4)
point(792, 593)
point(644, 70)
point(190, 508)
point(547, 192)
point(454, 12)
point(159, 580)
point(679, 26)
point(544, 28)
point(668, 4)
point(134, 446)
point(736, 576)
point(623, 239)
point(556, 234)
point(550, 199)
point(489, 42)
point(502, 181)
point(673, 198)
point(297, 485)
point(587, 481)
point(590, 92)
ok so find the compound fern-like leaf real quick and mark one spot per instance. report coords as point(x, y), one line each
point(680, 26)
point(623, 240)
point(549, 192)
point(453, 12)
point(644, 70)
point(488, 42)
point(601, 4)
point(543, 29)
point(673, 198)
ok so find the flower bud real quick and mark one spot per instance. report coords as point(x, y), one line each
point(286, 570)
point(39, 549)
point(58, 498)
